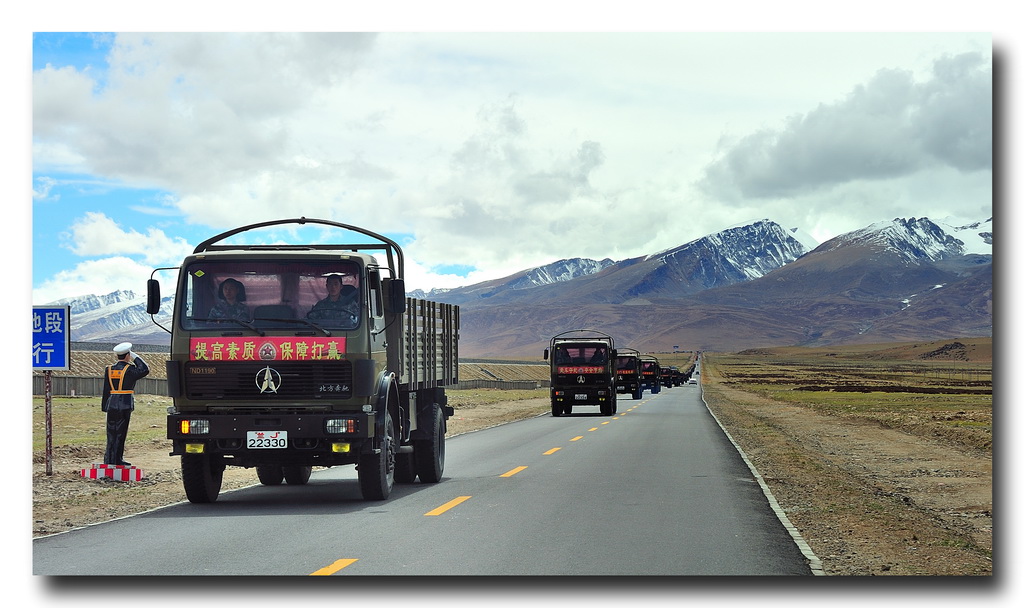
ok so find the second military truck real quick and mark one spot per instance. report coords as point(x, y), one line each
point(289, 356)
point(582, 371)
point(627, 373)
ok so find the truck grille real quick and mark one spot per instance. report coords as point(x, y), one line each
point(269, 380)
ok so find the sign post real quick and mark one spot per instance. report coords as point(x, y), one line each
point(51, 349)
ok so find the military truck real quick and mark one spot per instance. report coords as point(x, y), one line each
point(582, 371)
point(318, 359)
point(650, 374)
point(668, 376)
point(627, 372)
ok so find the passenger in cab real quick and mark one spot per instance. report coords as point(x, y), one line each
point(230, 298)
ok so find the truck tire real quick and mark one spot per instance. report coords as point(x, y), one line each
point(405, 467)
point(430, 452)
point(556, 410)
point(270, 475)
point(377, 470)
point(296, 475)
point(638, 393)
point(201, 474)
point(606, 408)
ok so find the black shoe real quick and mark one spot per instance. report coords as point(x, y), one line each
point(125, 464)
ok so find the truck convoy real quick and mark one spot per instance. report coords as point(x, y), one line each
point(582, 371)
point(289, 356)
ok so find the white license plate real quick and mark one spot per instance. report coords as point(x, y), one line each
point(266, 440)
point(580, 397)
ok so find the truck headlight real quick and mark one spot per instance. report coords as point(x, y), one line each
point(194, 427)
point(337, 426)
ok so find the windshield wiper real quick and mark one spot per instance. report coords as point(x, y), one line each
point(239, 321)
point(305, 321)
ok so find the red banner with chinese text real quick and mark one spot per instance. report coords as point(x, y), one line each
point(578, 369)
point(266, 349)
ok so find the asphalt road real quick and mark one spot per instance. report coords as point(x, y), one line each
point(657, 489)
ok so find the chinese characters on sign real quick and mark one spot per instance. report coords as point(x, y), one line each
point(576, 369)
point(51, 337)
point(266, 349)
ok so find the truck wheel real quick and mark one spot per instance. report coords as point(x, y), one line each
point(405, 467)
point(201, 475)
point(270, 475)
point(430, 452)
point(297, 475)
point(377, 470)
point(556, 410)
point(638, 393)
point(606, 409)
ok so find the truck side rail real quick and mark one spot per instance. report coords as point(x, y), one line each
point(431, 338)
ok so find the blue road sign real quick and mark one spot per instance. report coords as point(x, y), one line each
point(51, 337)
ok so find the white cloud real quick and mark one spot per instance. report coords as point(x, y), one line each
point(98, 277)
point(891, 127)
point(502, 152)
point(97, 235)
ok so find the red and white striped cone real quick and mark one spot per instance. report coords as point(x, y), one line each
point(113, 471)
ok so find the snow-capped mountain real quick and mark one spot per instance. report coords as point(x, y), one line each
point(915, 240)
point(739, 253)
point(85, 304)
point(756, 283)
point(557, 272)
point(976, 236)
point(117, 316)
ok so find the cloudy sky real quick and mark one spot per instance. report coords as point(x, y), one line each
point(484, 154)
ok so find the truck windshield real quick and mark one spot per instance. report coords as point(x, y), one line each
point(580, 354)
point(271, 294)
point(625, 363)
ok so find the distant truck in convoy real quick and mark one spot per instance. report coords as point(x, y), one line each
point(582, 371)
point(668, 375)
point(650, 374)
point(289, 356)
point(627, 373)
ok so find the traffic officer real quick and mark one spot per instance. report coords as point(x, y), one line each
point(119, 399)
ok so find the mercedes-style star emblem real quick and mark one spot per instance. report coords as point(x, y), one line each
point(268, 380)
point(580, 379)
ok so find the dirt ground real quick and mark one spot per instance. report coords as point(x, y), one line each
point(65, 500)
point(867, 500)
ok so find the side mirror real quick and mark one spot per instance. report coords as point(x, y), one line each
point(396, 296)
point(615, 354)
point(152, 296)
point(545, 354)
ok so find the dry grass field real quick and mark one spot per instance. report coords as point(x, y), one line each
point(880, 455)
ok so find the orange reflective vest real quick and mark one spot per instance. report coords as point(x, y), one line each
point(118, 375)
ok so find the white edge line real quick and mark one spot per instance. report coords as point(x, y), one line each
point(812, 559)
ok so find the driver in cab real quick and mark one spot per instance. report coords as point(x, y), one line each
point(341, 302)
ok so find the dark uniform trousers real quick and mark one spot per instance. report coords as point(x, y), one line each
point(119, 402)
